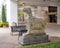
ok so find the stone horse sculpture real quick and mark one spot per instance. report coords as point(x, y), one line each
point(36, 30)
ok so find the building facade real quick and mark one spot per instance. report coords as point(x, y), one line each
point(42, 7)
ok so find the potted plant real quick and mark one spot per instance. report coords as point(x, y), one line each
point(4, 22)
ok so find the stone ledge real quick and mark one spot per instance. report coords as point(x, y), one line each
point(36, 34)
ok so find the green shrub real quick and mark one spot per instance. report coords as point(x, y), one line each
point(1, 24)
point(4, 23)
point(48, 45)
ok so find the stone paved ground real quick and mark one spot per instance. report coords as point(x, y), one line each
point(53, 30)
point(54, 38)
point(7, 40)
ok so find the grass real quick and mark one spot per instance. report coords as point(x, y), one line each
point(48, 45)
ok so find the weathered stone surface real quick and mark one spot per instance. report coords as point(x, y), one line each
point(27, 40)
point(35, 25)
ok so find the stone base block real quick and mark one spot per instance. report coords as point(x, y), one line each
point(27, 40)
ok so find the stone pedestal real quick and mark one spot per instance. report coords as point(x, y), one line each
point(33, 39)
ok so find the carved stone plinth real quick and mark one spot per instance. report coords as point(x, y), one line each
point(33, 39)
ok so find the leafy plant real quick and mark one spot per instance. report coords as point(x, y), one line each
point(3, 14)
point(1, 24)
point(4, 23)
point(21, 13)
